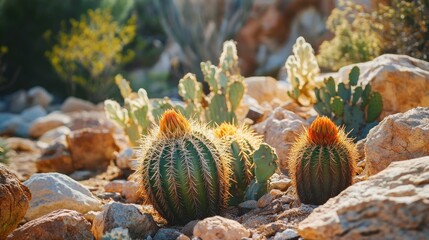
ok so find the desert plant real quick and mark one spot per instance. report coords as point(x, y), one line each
point(185, 171)
point(4, 149)
point(241, 143)
point(226, 89)
point(302, 70)
point(89, 54)
point(355, 39)
point(202, 39)
point(265, 160)
point(322, 162)
point(355, 107)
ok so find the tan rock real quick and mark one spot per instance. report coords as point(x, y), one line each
point(54, 134)
point(72, 104)
point(132, 192)
point(390, 205)
point(269, 197)
point(398, 137)
point(126, 216)
point(280, 130)
point(265, 89)
point(115, 186)
point(91, 149)
point(61, 224)
point(14, 201)
point(220, 228)
point(402, 81)
point(46, 123)
point(56, 158)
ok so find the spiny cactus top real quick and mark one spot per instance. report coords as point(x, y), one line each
point(322, 162)
point(184, 169)
point(241, 143)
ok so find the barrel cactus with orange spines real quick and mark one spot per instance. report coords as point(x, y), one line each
point(322, 162)
point(184, 170)
point(241, 143)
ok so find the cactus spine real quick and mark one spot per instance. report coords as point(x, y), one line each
point(185, 170)
point(322, 162)
point(241, 143)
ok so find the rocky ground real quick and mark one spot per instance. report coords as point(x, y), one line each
point(70, 170)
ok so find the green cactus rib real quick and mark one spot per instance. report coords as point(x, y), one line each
point(182, 178)
point(322, 172)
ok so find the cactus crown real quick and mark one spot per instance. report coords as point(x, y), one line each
point(323, 131)
point(173, 124)
point(225, 129)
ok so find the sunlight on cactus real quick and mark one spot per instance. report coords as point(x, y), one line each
point(185, 171)
point(302, 69)
point(322, 162)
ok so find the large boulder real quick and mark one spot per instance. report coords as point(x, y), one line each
point(126, 216)
point(394, 204)
point(92, 149)
point(46, 123)
point(280, 130)
point(60, 224)
point(398, 137)
point(53, 191)
point(220, 228)
point(265, 89)
point(14, 201)
point(402, 81)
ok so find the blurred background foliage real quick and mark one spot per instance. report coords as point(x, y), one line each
point(173, 36)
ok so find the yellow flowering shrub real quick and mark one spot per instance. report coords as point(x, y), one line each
point(91, 51)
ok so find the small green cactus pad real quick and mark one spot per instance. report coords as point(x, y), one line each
point(235, 94)
point(256, 190)
point(217, 111)
point(375, 106)
point(265, 159)
point(354, 76)
point(189, 88)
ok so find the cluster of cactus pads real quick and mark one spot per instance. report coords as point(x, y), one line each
point(189, 171)
point(302, 70)
point(322, 162)
point(347, 104)
point(226, 92)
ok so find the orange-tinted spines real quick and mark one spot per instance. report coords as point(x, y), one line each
point(173, 124)
point(323, 131)
point(225, 129)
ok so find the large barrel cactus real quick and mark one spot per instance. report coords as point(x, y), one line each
point(185, 171)
point(241, 143)
point(322, 162)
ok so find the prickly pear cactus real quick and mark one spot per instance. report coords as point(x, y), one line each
point(185, 171)
point(357, 108)
point(302, 70)
point(135, 117)
point(241, 144)
point(265, 159)
point(322, 162)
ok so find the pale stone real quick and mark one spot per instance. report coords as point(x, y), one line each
point(220, 228)
point(53, 134)
point(265, 89)
point(402, 81)
point(72, 104)
point(398, 137)
point(392, 204)
point(46, 123)
point(53, 191)
point(280, 131)
point(39, 96)
point(126, 216)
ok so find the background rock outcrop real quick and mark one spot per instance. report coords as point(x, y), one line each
point(398, 137)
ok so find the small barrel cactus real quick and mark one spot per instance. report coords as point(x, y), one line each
point(241, 143)
point(185, 171)
point(322, 162)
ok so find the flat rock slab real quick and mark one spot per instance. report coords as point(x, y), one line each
point(394, 204)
